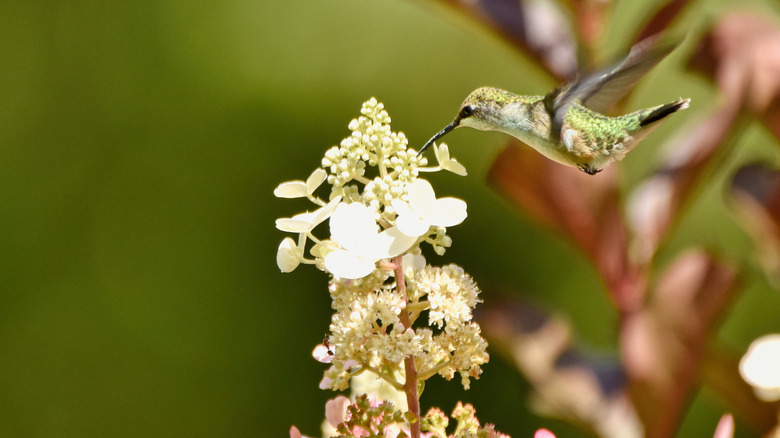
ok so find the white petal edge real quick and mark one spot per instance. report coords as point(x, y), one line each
point(455, 167)
point(421, 196)
point(297, 224)
point(392, 242)
point(414, 261)
point(411, 225)
point(326, 211)
point(346, 265)
point(322, 354)
point(447, 212)
point(408, 221)
point(290, 189)
point(315, 180)
point(287, 257)
point(442, 152)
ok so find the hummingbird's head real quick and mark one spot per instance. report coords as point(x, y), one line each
point(479, 110)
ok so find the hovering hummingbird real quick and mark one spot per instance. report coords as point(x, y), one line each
point(566, 125)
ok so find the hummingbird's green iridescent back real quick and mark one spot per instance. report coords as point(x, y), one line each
point(595, 140)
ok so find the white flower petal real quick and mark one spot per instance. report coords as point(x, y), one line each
point(411, 225)
point(347, 265)
point(447, 212)
point(408, 221)
point(414, 261)
point(392, 242)
point(323, 247)
point(287, 256)
point(455, 167)
point(445, 162)
point(300, 223)
point(351, 225)
point(315, 180)
point(442, 153)
point(290, 189)
point(305, 222)
point(324, 212)
point(421, 196)
point(323, 354)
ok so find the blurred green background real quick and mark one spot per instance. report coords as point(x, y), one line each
point(140, 143)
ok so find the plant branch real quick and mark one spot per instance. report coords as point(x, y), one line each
point(410, 385)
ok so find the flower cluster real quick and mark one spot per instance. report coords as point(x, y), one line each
point(367, 333)
point(392, 214)
point(395, 316)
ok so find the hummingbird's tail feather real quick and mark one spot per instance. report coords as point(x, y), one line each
point(664, 110)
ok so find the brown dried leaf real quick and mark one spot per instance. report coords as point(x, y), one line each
point(536, 28)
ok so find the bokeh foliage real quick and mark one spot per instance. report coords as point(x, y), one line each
point(139, 146)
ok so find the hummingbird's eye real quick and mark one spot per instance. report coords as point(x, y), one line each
point(466, 111)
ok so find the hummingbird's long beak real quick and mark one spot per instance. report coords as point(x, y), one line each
point(439, 135)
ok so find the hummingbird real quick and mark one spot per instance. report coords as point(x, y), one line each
point(567, 124)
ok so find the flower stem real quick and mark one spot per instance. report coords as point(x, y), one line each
point(386, 377)
point(410, 385)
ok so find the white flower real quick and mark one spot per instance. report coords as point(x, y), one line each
point(305, 222)
point(445, 162)
point(412, 263)
point(354, 227)
point(423, 210)
point(760, 367)
point(300, 189)
point(288, 256)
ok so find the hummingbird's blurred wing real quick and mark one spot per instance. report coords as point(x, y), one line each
point(601, 90)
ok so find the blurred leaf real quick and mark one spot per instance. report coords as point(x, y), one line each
point(664, 344)
point(725, 427)
point(585, 208)
point(741, 53)
point(755, 195)
point(537, 28)
point(654, 205)
point(720, 373)
point(567, 384)
point(663, 17)
point(589, 18)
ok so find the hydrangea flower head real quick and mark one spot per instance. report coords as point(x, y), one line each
point(378, 213)
point(378, 206)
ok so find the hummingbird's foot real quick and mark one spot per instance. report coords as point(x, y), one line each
point(588, 169)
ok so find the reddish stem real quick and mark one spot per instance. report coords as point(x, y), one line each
point(410, 385)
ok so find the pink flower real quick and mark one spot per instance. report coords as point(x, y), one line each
point(336, 410)
point(295, 433)
point(543, 433)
